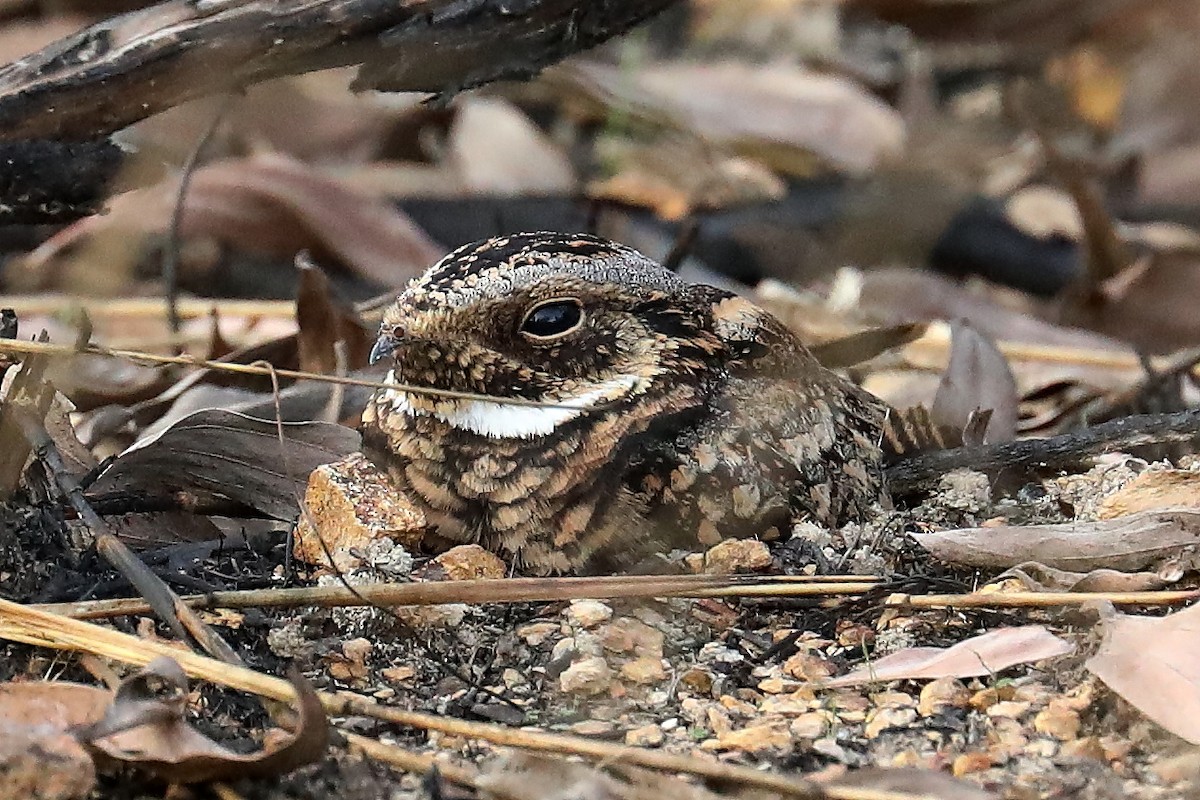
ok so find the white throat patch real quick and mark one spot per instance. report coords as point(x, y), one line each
point(498, 420)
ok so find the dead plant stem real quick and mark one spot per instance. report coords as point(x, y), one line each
point(504, 590)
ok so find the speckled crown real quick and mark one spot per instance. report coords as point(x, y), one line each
point(496, 267)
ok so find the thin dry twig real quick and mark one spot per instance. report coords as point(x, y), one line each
point(143, 307)
point(1041, 599)
point(264, 369)
point(504, 590)
point(170, 257)
point(409, 761)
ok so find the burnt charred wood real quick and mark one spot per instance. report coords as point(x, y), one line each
point(44, 181)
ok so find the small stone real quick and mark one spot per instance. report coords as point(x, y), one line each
point(967, 763)
point(942, 693)
point(669, 724)
point(893, 700)
point(645, 736)
point(1115, 748)
point(1041, 748)
point(587, 643)
point(986, 698)
point(352, 664)
point(587, 676)
point(718, 720)
point(1036, 694)
point(1079, 697)
point(1007, 709)
point(342, 671)
point(400, 674)
point(737, 555)
point(718, 653)
point(849, 701)
point(965, 490)
point(829, 748)
point(1008, 738)
point(562, 648)
point(592, 727)
point(357, 649)
point(627, 635)
point(348, 504)
point(644, 670)
point(465, 562)
point(697, 680)
point(811, 725)
point(854, 635)
point(884, 719)
point(445, 615)
point(737, 706)
point(289, 641)
point(535, 633)
point(807, 667)
point(1057, 720)
point(513, 678)
point(774, 685)
point(693, 710)
point(588, 613)
point(787, 705)
point(757, 738)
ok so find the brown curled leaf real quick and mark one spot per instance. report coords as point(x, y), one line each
point(145, 727)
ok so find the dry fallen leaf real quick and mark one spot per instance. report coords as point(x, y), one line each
point(325, 319)
point(894, 295)
point(1128, 543)
point(39, 758)
point(497, 150)
point(145, 727)
point(977, 378)
point(1154, 664)
point(217, 453)
point(1041, 578)
point(985, 654)
point(267, 205)
point(789, 118)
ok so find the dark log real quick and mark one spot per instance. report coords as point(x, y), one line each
point(134, 65)
point(910, 473)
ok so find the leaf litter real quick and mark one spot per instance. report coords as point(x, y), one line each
point(142, 724)
point(956, 267)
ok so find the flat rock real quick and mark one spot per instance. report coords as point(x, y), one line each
point(351, 503)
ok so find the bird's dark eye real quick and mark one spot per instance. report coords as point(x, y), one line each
point(553, 318)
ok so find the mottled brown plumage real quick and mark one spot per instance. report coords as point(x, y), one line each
point(679, 414)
